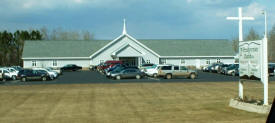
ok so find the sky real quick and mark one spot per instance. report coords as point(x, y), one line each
point(146, 19)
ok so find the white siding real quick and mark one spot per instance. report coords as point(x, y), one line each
point(198, 62)
point(127, 52)
point(173, 61)
point(60, 63)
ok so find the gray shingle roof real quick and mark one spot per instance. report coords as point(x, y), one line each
point(61, 48)
point(162, 47)
point(190, 47)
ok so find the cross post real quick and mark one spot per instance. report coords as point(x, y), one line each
point(240, 18)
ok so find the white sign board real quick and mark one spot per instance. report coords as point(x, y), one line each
point(250, 58)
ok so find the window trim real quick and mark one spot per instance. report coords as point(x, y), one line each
point(34, 63)
point(218, 60)
point(163, 61)
point(208, 61)
point(54, 63)
point(182, 61)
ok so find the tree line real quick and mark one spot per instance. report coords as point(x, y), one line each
point(12, 43)
point(253, 35)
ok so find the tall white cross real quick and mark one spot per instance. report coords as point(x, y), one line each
point(240, 18)
point(124, 27)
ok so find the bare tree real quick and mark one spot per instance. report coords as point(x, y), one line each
point(45, 33)
point(252, 35)
point(235, 44)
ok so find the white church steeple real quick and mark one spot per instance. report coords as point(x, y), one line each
point(124, 27)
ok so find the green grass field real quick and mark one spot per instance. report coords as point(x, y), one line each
point(128, 102)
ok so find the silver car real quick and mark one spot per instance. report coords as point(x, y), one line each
point(171, 71)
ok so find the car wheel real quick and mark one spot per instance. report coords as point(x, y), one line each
point(44, 78)
point(168, 76)
point(24, 79)
point(192, 76)
point(155, 75)
point(138, 77)
point(118, 77)
point(13, 77)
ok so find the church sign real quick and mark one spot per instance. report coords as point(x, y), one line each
point(250, 59)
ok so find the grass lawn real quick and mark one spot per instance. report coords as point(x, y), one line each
point(128, 102)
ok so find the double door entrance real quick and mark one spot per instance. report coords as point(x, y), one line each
point(130, 61)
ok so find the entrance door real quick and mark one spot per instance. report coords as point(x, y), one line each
point(131, 61)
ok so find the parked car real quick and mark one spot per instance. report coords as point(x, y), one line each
point(8, 75)
point(93, 67)
point(11, 69)
point(18, 68)
point(71, 67)
point(145, 66)
point(207, 68)
point(29, 74)
point(171, 71)
point(233, 70)
point(58, 71)
point(108, 64)
point(118, 69)
point(215, 67)
point(52, 74)
point(271, 69)
point(153, 71)
point(127, 73)
point(222, 68)
point(115, 67)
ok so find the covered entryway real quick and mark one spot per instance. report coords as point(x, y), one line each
point(131, 61)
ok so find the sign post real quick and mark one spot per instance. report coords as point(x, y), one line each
point(265, 63)
point(264, 76)
point(240, 18)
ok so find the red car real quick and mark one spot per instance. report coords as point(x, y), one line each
point(109, 64)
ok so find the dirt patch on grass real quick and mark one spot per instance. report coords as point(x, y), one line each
point(128, 102)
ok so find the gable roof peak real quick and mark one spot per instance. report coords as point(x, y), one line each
point(124, 27)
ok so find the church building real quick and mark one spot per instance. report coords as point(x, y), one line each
point(185, 52)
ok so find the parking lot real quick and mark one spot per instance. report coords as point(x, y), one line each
point(96, 77)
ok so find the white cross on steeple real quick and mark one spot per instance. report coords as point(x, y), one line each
point(240, 18)
point(124, 27)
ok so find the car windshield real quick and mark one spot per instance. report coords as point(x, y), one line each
point(147, 65)
point(233, 66)
point(154, 66)
point(12, 70)
point(225, 65)
point(117, 69)
point(48, 69)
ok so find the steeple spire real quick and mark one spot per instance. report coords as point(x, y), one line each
point(124, 27)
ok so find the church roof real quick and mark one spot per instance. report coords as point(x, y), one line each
point(44, 49)
point(190, 47)
point(61, 48)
